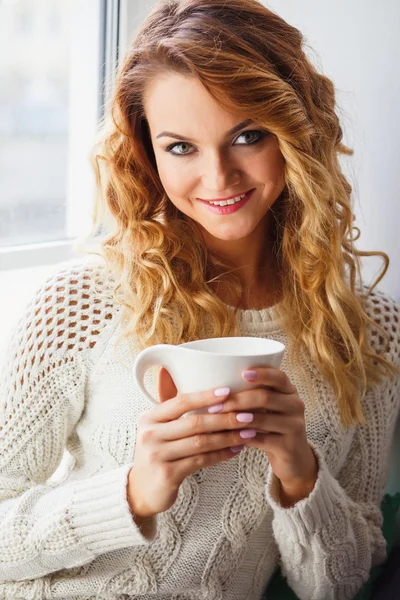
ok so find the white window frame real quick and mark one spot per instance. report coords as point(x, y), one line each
point(94, 54)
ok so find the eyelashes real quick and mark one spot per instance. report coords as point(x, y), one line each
point(260, 136)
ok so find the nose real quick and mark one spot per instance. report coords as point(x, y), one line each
point(220, 175)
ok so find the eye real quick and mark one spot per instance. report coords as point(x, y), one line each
point(169, 149)
point(259, 136)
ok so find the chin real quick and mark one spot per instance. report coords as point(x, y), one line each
point(233, 236)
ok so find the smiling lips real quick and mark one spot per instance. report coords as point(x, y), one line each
point(227, 207)
point(219, 200)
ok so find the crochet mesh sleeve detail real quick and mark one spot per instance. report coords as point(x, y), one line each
point(385, 312)
point(42, 395)
point(64, 317)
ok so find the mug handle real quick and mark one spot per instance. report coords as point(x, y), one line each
point(150, 357)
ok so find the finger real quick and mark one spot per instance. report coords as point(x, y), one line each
point(273, 378)
point(267, 423)
point(195, 425)
point(183, 403)
point(198, 424)
point(259, 399)
point(166, 386)
point(269, 442)
point(199, 444)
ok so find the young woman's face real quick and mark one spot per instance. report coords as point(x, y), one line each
point(206, 161)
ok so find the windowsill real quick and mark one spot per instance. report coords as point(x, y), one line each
point(35, 255)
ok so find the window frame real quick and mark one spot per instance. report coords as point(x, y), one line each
point(111, 15)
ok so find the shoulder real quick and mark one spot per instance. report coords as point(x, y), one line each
point(68, 311)
point(384, 312)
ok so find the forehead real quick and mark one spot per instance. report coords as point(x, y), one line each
point(183, 104)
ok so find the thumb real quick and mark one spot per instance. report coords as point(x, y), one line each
point(166, 386)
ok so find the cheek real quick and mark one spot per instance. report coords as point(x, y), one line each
point(173, 180)
point(273, 172)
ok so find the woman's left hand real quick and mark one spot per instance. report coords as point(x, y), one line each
point(279, 422)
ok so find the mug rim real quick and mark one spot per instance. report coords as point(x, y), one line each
point(187, 347)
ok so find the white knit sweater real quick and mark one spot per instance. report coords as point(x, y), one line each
point(64, 385)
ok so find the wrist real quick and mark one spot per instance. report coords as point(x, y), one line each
point(290, 494)
point(140, 513)
point(144, 521)
point(293, 491)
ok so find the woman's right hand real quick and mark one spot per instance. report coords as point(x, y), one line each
point(169, 448)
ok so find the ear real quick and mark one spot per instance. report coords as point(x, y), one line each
point(166, 386)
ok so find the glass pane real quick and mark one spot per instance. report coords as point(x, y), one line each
point(34, 96)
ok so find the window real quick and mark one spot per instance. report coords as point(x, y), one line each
point(51, 68)
point(56, 61)
point(34, 128)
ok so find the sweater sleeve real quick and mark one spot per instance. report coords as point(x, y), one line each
point(330, 540)
point(44, 527)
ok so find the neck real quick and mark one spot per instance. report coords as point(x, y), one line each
point(253, 261)
point(260, 292)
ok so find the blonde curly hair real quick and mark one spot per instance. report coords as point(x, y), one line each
point(253, 63)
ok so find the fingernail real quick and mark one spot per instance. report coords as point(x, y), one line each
point(222, 391)
point(250, 375)
point(236, 448)
point(215, 408)
point(245, 417)
point(248, 433)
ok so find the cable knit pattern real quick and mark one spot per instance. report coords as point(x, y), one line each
point(66, 386)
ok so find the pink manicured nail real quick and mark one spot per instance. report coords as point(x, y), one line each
point(216, 408)
point(248, 433)
point(222, 391)
point(236, 448)
point(250, 375)
point(245, 417)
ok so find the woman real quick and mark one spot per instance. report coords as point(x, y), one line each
point(227, 214)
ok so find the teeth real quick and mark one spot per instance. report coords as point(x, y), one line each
point(231, 201)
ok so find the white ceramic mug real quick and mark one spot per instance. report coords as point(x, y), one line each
point(209, 363)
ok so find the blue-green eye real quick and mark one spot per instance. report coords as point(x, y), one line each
point(259, 136)
point(170, 148)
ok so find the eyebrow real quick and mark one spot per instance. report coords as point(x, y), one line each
point(182, 137)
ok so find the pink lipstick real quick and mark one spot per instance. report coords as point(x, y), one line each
point(229, 208)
